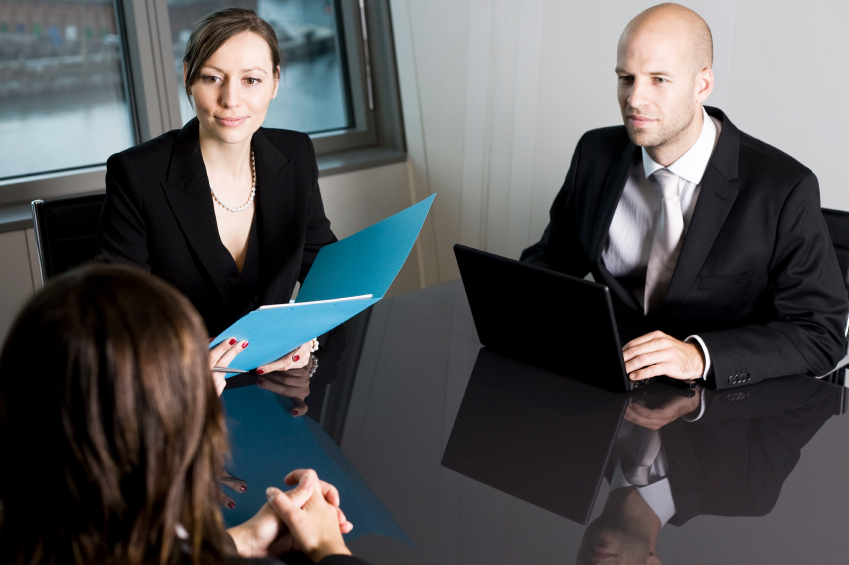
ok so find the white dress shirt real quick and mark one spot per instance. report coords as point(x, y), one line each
point(626, 253)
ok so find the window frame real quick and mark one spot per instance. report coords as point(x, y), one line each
point(377, 137)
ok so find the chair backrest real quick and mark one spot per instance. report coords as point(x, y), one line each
point(838, 228)
point(65, 232)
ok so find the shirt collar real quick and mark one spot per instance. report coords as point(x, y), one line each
point(691, 165)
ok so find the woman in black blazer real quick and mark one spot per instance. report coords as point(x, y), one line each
point(227, 211)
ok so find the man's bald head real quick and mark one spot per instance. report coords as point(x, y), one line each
point(679, 20)
point(663, 64)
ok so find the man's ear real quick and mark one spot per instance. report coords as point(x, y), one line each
point(704, 84)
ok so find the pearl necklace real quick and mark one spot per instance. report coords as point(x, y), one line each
point(253, 190)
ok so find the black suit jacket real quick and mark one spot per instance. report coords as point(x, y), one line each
point(735, 459)
point(159, 214)
point(757, 278)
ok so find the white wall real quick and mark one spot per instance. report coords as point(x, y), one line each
point(496, 94)
point(353, 201)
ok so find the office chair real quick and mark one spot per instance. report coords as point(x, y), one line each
point(838, 229)
point(65, 232)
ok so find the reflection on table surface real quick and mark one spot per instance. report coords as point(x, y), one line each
point(487, 459)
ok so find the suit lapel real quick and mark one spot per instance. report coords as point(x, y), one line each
point(613, 187)
point(275, 198)
point(616, 287)
point(610, 196)
point(187, 189)
point(716, 198)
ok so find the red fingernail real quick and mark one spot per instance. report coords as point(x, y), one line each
point(243, 488)
point(260, 382)
point(210, 340)
point(231, 505)
point(260, 372)
point(232, 341)
point(296, 357)
point(244, 345)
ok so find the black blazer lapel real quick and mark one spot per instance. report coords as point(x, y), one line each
point(716, 198)
point(617, 288)
point(612, 192)
point(275, 193)
point(187, 190)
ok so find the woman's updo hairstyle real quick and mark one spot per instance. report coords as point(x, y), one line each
point(213, 30)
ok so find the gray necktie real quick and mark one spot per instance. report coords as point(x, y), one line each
point(666, 242)
point(637, 468)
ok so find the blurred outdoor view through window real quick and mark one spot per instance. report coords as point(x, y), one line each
point(63, 95)
point(64, 98)
point(312, 96)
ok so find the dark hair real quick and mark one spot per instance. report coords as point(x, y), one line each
point(111, 432)
point(213, 30)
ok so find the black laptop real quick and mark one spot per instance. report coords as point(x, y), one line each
point(561, 323)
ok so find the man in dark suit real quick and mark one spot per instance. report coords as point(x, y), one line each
point(712, 242)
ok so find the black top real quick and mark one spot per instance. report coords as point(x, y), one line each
point(242, 288)
point(159, 214)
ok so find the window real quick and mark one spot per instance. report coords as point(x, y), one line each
point(313, 95)
point(64, 100)
point(83, 79)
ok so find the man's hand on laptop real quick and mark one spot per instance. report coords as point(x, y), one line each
point(656, 354)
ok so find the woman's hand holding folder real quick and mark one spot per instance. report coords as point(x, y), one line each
point(293, 360)
point(221, 356)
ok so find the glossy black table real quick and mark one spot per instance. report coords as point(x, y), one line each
point(757, 475)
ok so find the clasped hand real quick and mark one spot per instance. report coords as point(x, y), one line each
point(656, 354)
point(306, 518)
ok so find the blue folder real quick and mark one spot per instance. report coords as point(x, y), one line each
point(346, 278)
point(368, 261)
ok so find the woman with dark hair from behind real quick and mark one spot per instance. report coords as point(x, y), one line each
point(112, 434)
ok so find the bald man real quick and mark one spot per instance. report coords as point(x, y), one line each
point(712, 242)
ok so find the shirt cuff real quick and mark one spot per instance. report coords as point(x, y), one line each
point(693, 338)
point(702, 405)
